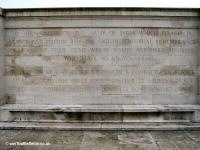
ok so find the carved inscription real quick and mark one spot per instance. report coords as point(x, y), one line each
point(101, 61)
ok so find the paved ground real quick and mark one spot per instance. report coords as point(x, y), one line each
point(99, 140)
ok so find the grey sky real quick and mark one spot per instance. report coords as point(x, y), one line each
point(99, 3)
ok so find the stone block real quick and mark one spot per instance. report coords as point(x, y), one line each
point(196, 117)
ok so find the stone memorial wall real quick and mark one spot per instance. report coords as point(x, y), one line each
point(102, 58)
point(114, 67)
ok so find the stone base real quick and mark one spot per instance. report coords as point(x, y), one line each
point(98, 126)
point(100, 117)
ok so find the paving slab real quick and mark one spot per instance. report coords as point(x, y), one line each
point(99, 140)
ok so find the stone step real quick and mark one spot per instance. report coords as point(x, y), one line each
point(98, 113)
point(100, 108)
point(98, 126)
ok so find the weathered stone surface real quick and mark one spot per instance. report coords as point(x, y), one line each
point(174, 140)
point(161, 63)
point(100, 57)
point(112, 140)
point(108, 21)
point(2, 59)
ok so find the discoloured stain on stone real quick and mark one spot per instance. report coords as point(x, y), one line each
point(109, 89)
point(53, 32)
point(10, 99)
point(176, 70)
point(151, 32)
point(16, 70)
point(187, 89)
point(23, 51)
